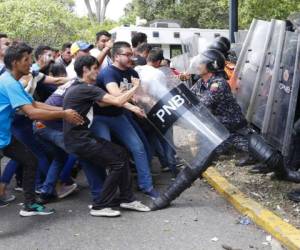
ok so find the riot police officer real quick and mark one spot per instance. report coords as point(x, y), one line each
point(214, 92)
point(222, 44)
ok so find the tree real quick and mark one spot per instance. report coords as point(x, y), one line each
point(209, 14)
point(100, 10)
point(192, 13)
point(70, 4)
point(46, 22)
point(266, 10)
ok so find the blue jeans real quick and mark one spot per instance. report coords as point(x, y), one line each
point(22, 130)
point(95, 176)
point(48, 138)
point(141, 134)
point(65, 175)
point(125, 132)
point(164, 148)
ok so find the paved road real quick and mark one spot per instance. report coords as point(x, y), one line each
point(199, 215)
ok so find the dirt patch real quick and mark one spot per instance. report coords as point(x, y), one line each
point(263, 188)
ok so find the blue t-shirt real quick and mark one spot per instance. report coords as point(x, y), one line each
point(12, 96)
point(2, 68)
point(112, 74)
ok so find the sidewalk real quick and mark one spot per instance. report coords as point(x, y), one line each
point(288, 235)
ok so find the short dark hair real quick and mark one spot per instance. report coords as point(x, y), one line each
point(138, 38)
point(84, 61)
point(66, 46)
point(155, 54)
point(143, 47)
point(16, 53)
point(102, 33)
point(116, 49)
point(3, 35)
point(40, 51)
point(57, 70)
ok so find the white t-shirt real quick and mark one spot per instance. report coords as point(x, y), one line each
point(153, 81)
point(71, 73)
point(107, 60)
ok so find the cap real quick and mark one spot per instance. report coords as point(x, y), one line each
point(80, 45)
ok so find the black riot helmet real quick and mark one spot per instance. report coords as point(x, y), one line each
point(224, 40)
point(220, 46)
point(214, 60)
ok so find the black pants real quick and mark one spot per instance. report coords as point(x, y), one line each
point(236, 141)
point(19, 152)
point(102, 153)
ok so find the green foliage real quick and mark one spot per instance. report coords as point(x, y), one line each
point(46, 22)
point(209, 14)
point(192, 13)
point(271, 9)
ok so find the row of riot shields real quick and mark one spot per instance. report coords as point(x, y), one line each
point(267, 80)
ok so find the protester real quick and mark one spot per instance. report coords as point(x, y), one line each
point(80, 140)
point(112, 79)
point(65, 57)
point(18, 60)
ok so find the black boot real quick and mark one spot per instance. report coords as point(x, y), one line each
point(268, 155)
point(184, 180)
point(294, 195)
point(260, 168)
point(246, 161)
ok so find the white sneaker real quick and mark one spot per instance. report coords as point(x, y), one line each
point(105, 212)
point(19, 189)
point(135, 205)
point(7, 197)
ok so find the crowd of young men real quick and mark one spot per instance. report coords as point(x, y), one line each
point(63, 111)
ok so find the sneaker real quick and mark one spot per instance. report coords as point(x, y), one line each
point(45, 198)
point(135, 205)
point(38, 191)
point(3, 204)
point(7, 198)
point(18, 189)
point(66, 190)
point(105, 212)
point(153, 194)
point(165, 169)
point(35, 209)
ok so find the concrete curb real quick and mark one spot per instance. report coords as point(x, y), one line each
point(288, 235)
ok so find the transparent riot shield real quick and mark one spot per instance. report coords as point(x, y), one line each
point(267, 74)
point(280, 112)
point(249, 61)
point(181, 62)
point(172, 109)
point(190, 46)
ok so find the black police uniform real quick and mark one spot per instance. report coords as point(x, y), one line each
point(216, 95)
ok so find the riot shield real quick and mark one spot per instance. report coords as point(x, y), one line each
point(181, 62)
point(280, 112)
point(249, 61)
point(190, 46)
point(172, 109)
point(267, 74)
point(170, 104)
